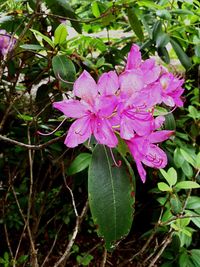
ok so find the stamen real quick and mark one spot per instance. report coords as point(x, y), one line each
point(113, 158)
point(46, 134)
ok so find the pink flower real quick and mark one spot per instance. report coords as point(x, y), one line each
point(171, 90)
point(93, 111)
point(144, 150)
point(6, 42)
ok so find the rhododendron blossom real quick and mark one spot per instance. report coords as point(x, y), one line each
point(123, 105)
point(6, 42)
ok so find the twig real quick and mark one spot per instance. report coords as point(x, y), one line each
point(79, 219)
point(165, 242)
point(52, 247)
point(28, 146)
point(103, 263)
point(34, 260)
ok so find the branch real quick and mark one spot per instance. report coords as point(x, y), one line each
point(74, 234)
point(33, 147)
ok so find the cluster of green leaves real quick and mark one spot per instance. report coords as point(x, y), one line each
point(42, 68)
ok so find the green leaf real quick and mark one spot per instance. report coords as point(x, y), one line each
point(187, 185)
point(135, 23)
point(163, 54)
point(164, 187)
point(111, 196)
point(195, 256)
point(95, 9)
point(184, 59)
point(195, 220)
point(193, 112)
point(80, 163)
point(193, 203)
point(32, 47)
point(44, 37)
point(176, 206)
point(170, 123)
point(162, 40)
point(178, 158)
point(62, 8)
point(187, 169)
point(172, 176)
point(65, 69)
point(197, 164)
point(60, 34)
point(187, 157)
point(164, 14)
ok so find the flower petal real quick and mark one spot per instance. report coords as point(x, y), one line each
point(155, 157)
point(71, 108)
point(160, 136)
point(134, 58)
point(108, 83)
point(104, 133)
point(141, 170)
point(131, 81)
point(105, 105)
point(79, 132)
point(85, 87)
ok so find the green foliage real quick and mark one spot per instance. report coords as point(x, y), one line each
point(110, 196)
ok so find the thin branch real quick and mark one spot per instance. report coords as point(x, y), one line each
point(28, 146)
point(165, 242)
point(52, 247)
point(103, 263)
point(79, 219)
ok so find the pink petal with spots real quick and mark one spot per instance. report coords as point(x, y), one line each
point(104, 133)
point(79, 132)
point(155, 157)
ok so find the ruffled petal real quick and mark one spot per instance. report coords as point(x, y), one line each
point(150, 70)
point(85, 87)
point(140, 122)
point(134, 58)
point(108, 83)
point(104, 133)
point(131, 82)
point(71, 108)
point(79, 132)
point(155, 157)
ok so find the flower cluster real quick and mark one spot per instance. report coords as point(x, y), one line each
point(6, 42)
point(124, 105)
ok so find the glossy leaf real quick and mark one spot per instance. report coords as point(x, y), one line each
point(44, 37)
point(135, 23)
point(60, 34)
point(80, 163)
point(62, 8)
point(182, 56)
point(187, 185)
point(111, 196)
point(187, 157)
point(164, 187)
point(95, 9)
point(64, 69)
